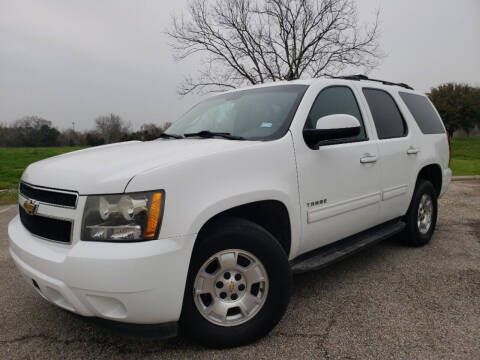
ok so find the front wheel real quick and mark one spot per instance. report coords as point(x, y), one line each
point(421, 217)
point(238, 285)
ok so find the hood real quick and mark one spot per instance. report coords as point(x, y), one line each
point(109, 168)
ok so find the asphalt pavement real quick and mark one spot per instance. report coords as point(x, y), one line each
point(387, 302)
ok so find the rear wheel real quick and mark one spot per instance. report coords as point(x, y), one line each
point(421, 217)
point(238, 285)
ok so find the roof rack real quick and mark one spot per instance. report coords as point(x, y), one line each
point(364, 77)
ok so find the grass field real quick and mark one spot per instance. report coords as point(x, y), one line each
point(465, 161)
point(465, 156)
point(14, 160)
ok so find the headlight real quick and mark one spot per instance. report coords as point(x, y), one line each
point(124, 217)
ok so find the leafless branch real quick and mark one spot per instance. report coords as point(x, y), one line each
point(251, 42)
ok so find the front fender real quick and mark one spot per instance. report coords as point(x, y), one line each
point(199, 189)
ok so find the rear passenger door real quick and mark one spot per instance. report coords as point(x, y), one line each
point(397, 149)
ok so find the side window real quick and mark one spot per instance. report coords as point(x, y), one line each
point(335, 100)
point(423, 112)
point(386, 115)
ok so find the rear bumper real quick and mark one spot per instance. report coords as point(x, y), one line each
point(141, 283)
point(446, 179)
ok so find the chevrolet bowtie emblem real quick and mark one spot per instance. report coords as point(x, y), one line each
point(231, 287)
point(30, 207)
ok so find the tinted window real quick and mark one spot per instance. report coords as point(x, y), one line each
point(424, 113)
point(335, 100)
point(386, 116)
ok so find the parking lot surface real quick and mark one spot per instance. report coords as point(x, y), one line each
point(387, 302)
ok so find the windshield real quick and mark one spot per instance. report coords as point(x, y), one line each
point(254, 114)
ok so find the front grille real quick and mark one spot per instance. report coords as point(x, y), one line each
point(49, 196)
point(45, 227)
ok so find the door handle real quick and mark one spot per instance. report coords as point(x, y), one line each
point(367, 159)
point(413, 150)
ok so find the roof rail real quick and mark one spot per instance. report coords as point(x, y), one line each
point(366, 78)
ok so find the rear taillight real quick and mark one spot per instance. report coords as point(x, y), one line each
point(449, 150)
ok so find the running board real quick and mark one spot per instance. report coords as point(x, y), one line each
point(338, 250)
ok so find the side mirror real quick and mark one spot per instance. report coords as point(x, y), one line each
point(331, 127)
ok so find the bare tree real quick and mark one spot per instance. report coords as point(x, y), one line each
point(152, 131)
point(111, 128)
point(32, 131)
point(70, 137)
point(257, 41)
point(34, 122)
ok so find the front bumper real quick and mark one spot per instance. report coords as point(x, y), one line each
point(141, 283)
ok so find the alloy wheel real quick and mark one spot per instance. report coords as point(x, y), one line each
point(230, 287)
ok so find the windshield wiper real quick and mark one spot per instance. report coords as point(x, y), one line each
point(210, 134)
point(170, 136)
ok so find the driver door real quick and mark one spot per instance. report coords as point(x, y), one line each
point(339, 182)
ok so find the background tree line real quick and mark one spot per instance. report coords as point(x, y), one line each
point(458, 105)
point(32, 131)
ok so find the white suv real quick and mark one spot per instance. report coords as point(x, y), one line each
point(204, 226)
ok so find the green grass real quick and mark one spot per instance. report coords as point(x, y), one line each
point(14, 160)
point(465, 161)
point(8, 197)
point(465, 156)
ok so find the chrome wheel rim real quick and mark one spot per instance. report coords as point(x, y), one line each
point(230, 287)
point(425, 214)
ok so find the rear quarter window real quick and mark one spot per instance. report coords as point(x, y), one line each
point(424, 113)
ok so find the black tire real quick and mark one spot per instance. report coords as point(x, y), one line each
point(244, 235)
point(414, 236)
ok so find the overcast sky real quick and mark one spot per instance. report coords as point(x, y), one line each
point(74, 60)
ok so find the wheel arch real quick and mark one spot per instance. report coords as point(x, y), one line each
point(433, 173)
point(271, 214)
